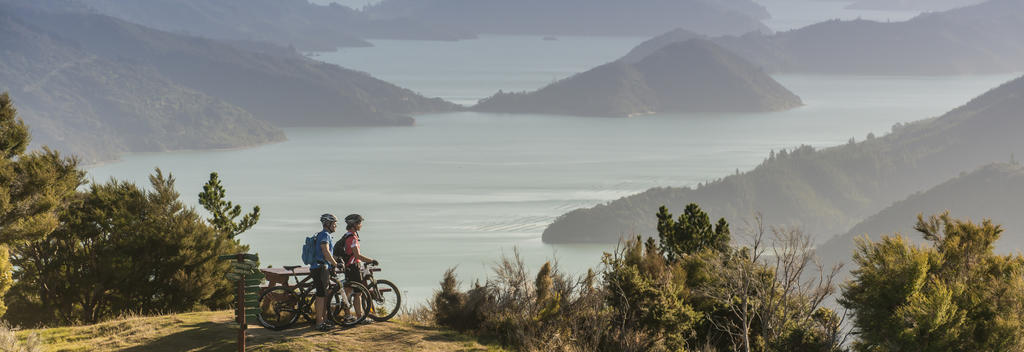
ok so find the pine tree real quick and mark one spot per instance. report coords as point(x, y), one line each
point(692, 233)
point(224, 212)
point(119, 249)
point(32, 187)
point(954, 295)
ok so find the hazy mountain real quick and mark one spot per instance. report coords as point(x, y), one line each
point(970, 40)
point(828, 191)
point(652, 45)
point(278, 86)
point(692, 76)
point(306, 26)
point(993, 192)
point(580, 17)
point(911, 5)
point(97, 108)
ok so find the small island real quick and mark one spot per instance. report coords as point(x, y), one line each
point(688, 77)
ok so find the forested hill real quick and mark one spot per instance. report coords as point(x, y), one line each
point(285, 89)
point(828, 191)
point(692, 76)
point(968, 40)
point(97, 108)
point(993, 192)
point(177, 77)
point(304, 25)
point(580, 17)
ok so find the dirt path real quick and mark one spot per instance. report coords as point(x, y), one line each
point(215, 331)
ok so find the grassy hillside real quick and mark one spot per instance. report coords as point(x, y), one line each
point(828, 191)
point(216, 331)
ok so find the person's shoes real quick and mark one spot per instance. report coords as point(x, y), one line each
point(324, 327)
point(350, 320)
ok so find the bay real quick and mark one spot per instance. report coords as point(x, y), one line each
point(463, 189)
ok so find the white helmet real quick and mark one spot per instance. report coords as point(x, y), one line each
point(326, 218)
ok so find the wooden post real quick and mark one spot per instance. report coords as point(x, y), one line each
point(240, 307)
point(244, 274)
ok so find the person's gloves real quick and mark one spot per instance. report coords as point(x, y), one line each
point(375, 262)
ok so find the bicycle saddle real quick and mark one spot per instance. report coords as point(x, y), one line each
point(291, 267)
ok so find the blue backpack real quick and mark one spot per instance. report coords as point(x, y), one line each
point(309, 250)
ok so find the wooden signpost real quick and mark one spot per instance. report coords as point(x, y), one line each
point(247, 277)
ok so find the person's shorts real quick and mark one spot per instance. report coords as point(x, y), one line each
point(352, 273)
point(320, 280)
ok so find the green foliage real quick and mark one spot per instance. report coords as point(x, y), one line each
point(954, 295)
point(119, 249)
point(647, 297)
point(555, 313)
point(6, 278)
point(224, 212)
point(547, 299)
point(691, 234)
point(708, 296)
point(14, 135)
point(448, 303)
point(32, 187)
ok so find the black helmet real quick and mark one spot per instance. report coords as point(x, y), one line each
point(353, 219)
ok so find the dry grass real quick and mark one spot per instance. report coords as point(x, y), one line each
point(215, 331)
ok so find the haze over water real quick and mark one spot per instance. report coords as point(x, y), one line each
point(461, 189)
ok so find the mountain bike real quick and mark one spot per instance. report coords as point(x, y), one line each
point(387, 300)
point(281, 306)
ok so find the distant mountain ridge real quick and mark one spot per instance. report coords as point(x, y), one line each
point(969, 40)
point(298, 23)
point(580, 17)
point(994, 191)
point(98, 108)
point(828, 191)
point(650, 46)
point(691, 76)
point(244, 79)
point(909, 5)
point(285, 89)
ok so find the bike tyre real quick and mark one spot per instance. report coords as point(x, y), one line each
point(384, 300)
point(340, 304)
point(275, 301)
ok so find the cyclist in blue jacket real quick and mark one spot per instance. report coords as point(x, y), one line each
point(320, 270)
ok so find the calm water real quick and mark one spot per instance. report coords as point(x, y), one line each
point(462, 189)
point(466, 71)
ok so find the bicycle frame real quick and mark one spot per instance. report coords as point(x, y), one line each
point(306, 296)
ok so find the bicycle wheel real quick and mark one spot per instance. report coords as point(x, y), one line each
point(342, 310)
point(387, 300)
point(279, 308)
